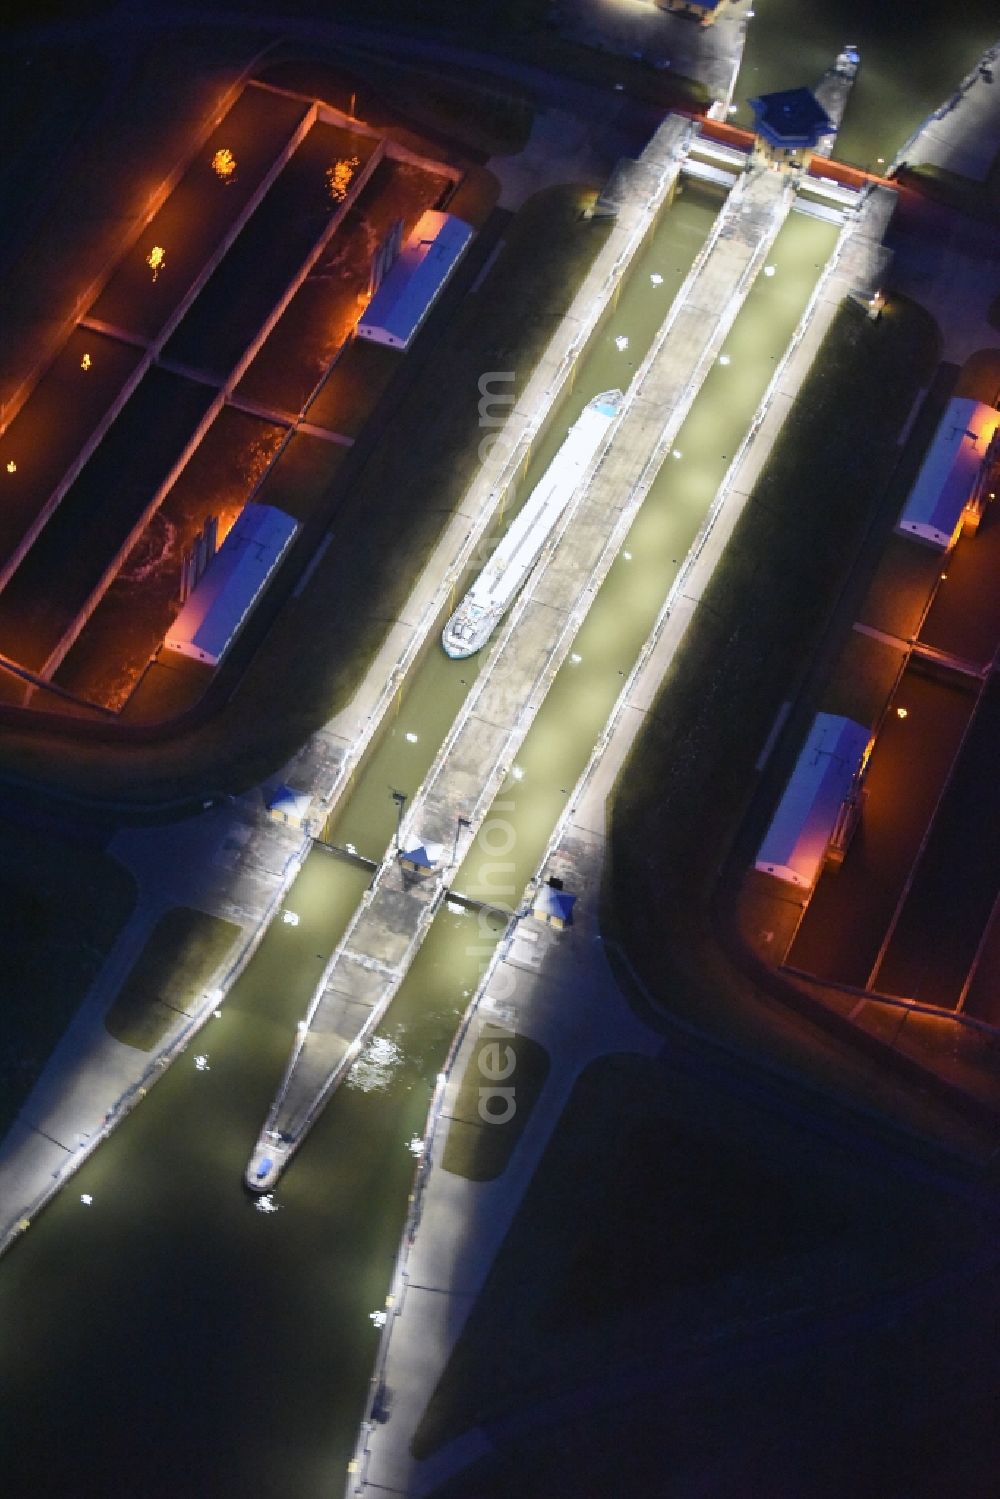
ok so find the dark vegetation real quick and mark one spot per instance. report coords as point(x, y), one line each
point(698, 1221)
point(979, 376)
point(62, 906)
point(473, 111)
point(480, 1147)
point(48, 97)
point(319, 648)
point(527, 32)
point(170, 976)
point(687, 782)
point(980, 200)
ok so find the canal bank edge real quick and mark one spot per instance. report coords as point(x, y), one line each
point(577, 849)
point(358, 985)
point(335, 751)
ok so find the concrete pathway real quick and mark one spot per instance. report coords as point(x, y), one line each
point(963, 134)
point(638, 30)
point(558, 989)
point(945, 260)
point(561, 148)
point(231, 862)
point(396, 913)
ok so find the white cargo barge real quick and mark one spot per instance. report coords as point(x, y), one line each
point(489, 598)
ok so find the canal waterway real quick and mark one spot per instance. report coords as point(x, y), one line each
point(914, 53)
point(169, 1340)
point(429, 701)
point(180, 1343)
point(577, 706)
point(170, 1293)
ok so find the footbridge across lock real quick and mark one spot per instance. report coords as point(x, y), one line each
point(386, 931)
point(720, 155)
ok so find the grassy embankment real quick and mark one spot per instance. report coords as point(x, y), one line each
point(684, 789)
point(63, 906)
point(481, 1136)
point(171, 975)
point(319, 648)
point(980, 200)
point(979, 376)
point(471, 110)
point(518, 30)
point(669, 1222)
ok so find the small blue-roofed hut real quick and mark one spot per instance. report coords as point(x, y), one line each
point(819, 808)
point(553, 906)
point(285, 805)
point(702, 11)
point(788, 126)
point(420, 858)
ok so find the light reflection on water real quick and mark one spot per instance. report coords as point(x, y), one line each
point(377, 1066)
point(168, 1318)
point(293, 1290)
point(580, 699)
point(913, 54)
point(428, 704)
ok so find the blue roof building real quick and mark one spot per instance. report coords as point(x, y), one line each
point(816, 809)
point(793, 117)
point(288, 806)
point(553, 906)
point(215, 612)
point(700, 10)
point(416, 280)
point(788, 126)
point(419, 857)
point(952, 475)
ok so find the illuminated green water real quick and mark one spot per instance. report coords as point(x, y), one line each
point(178, 1341)
point(182, 1343)
point(559, 743)
point(236, 1346)
point(428, 703)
